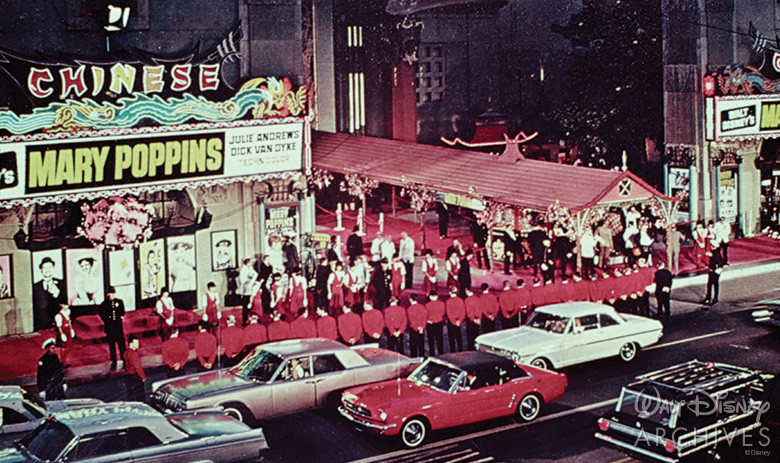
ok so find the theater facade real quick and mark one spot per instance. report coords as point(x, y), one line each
point(144, 170)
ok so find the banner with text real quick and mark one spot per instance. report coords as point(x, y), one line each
point(747, 117)
point(179, 154)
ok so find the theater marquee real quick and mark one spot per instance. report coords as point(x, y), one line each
point(747, 117)
point(145, 157)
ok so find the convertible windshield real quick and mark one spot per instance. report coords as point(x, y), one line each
point(548, 322)
point(260, 365)
point(47, 441)
point(435, 375)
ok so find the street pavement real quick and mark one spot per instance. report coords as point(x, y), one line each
point(564, 432)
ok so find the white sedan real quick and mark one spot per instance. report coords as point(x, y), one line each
point(560, 335)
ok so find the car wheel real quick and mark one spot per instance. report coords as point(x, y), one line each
point(541, 362)
point(238, 412)
point(529, 407)
point(628, 351)
point(413, 433)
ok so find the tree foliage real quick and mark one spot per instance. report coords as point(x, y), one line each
point(615, 84)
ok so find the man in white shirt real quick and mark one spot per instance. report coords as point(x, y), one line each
point(722, 233)
point(246, 280)
point(376, 247)
point(387, 249)
point(406, 252)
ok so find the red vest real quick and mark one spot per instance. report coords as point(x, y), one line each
point(211, 309)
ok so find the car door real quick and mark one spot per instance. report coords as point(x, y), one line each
point(329, 376)
point(613, 333)
point(146, 448)
point(294, 388)
point(582, 340)
point(495, 397)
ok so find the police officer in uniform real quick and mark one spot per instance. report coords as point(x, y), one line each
point(111, 312)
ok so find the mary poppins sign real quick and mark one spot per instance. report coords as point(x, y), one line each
point(168, 157)
point(74, 94)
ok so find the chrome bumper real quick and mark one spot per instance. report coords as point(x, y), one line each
point(635, 449)
point(363, 422)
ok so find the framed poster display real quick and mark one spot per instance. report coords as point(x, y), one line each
point(224, 250)
point(151, 258)
point(181, 264)
point(121, 267)
point(85, 276)
point(6, 276)
point(679, 182)
point(48, 271)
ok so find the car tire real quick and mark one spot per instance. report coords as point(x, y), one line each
point(628, 351)
point(542, 363)
point(413, 433)
point(529, 407)
point(239, 412)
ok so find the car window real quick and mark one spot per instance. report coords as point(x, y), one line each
point(48, 440)
point(138, 438)
point(548, 322)
point(326, 363)
point(482, 378)
point(98, 444)
point(296, 368)
point(510, 372)
point(259, 365)
point(607, 320)
point(586, 323)
point(11, 416)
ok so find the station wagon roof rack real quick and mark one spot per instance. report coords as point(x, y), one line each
point(696, 376)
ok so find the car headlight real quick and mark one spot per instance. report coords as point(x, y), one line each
point(382, 415)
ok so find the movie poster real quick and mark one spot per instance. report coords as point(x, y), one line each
point(121, 275)
point(6, 277)
point(181, 264)
point(48, 287)
point(223, 250)
point(85, 276)
point(151, 257)
point(121, 267)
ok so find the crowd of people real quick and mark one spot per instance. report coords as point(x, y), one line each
point(356, 296)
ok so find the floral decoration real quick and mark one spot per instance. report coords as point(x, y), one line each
point(116, 222)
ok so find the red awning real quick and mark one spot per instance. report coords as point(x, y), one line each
point(526, 184)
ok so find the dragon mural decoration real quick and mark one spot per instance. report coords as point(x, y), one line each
point(262, 97)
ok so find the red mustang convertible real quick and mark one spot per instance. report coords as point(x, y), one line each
point(451, 390)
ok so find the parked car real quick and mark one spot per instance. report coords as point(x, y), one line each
point(134, 431)
point(283, 377)
point(688, 410)
point(768, 313)
point(559, 335)
point(451, 390)
point(22, 411)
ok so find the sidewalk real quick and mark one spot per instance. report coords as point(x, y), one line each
point(89, 361)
